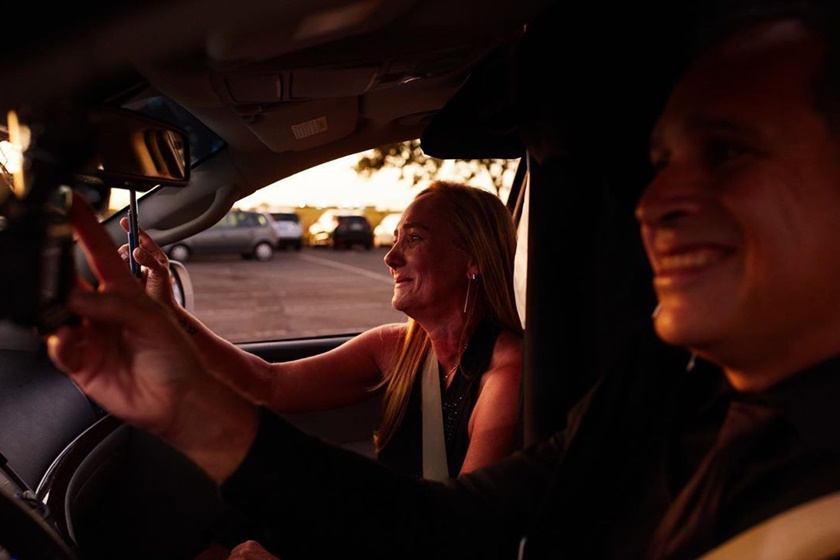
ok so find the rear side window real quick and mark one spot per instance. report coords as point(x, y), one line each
point(285, 217)
point(353, 222)
point(228, 221)
point(254, 220)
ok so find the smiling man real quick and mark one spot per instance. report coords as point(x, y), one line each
point(742, 215)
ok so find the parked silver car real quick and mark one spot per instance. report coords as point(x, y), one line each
point(250, 234)
point(289, 230)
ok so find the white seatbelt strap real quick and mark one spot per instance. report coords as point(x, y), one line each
point(810, 531)
point(434, 450)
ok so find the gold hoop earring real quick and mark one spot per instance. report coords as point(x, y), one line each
point(469, 285)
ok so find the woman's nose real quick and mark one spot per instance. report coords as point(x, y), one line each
point(392, 257)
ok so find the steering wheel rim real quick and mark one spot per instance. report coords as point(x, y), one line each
point(26, 534)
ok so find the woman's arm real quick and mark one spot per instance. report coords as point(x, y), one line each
point(336, 378)
point(217, 353)
point(494, 420)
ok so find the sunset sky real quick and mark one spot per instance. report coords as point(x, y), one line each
point(336, 184)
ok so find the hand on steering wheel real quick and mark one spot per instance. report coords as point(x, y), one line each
point(155, 266)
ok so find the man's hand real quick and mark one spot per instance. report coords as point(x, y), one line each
point(129, 354)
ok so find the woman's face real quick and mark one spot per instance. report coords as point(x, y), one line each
point(429, 269)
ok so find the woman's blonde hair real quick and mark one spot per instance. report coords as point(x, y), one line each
point(484, 229)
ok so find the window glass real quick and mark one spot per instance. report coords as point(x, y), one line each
point(314, 290)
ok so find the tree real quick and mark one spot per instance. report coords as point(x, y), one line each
point(415, 165)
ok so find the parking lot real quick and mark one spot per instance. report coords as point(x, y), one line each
point(303, 293)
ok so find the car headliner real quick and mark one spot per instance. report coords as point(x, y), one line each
point(312, 81)
point(307, 83)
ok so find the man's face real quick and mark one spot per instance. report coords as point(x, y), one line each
point(741, 223)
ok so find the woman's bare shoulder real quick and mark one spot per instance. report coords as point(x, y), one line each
point(509, 345)
point(506, 361)
point(389, 332)
point(382, 341)
point(501, 380)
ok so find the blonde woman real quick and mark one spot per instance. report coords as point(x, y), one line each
point(452, 264)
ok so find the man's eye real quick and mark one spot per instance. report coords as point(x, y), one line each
point(721, 153)
point(658, 162)
point(660, 157)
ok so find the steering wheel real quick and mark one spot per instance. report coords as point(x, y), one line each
point(26, 534)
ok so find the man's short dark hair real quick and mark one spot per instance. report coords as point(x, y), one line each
point(724, 18)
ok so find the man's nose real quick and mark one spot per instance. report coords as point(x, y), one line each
point(666, 199)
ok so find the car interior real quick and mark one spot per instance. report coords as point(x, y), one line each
point(272, 89)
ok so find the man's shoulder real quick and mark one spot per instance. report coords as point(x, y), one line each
point(640, 389)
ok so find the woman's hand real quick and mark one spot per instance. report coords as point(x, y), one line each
point(155, 263)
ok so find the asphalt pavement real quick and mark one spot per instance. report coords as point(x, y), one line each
point(311, 292)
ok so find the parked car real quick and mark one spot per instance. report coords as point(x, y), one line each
point(250, 234)
point(289, 230)
point(383, 233)
point(341, 229)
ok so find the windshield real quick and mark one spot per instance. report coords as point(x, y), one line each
point(203, 141)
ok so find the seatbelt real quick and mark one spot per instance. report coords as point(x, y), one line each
point(434, 451)
point(810, 531)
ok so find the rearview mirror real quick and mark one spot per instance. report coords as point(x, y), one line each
point(48, 153)
point(136, 152)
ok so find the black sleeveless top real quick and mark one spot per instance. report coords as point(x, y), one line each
point(404, 451)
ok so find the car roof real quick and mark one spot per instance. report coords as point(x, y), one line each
point(392, 217)
point(343, 212)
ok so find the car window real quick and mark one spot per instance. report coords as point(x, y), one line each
point(308, 287)
point(226, 222)
point(285, 217)
point(252, 220)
